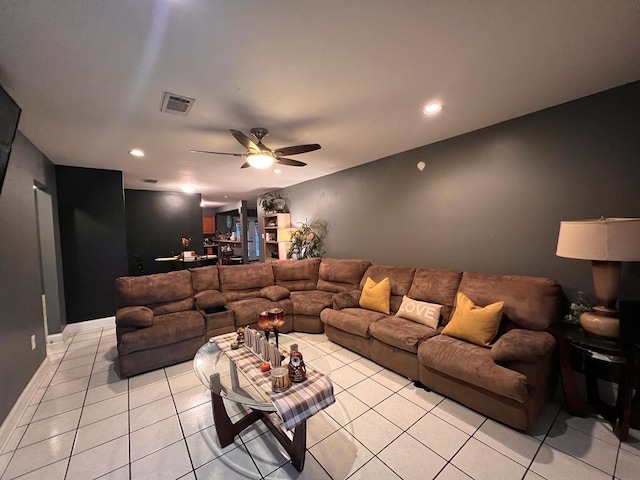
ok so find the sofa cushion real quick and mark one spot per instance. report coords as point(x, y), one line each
point(274, 293)
point(166, 329)
point(346, 300)
point(310, 302)
point(352, 320)
point(205, 278)
point(533, 303)
point(246, 312)
point(137, 317)
point(520, 345)
point(474, 324)
point(341, 275)
point(245, 277)
point(209, 300)
point(472, 364)
point(401, 333)
point(297, 275)
point(436, 286)
point(148, 290)
point(172, 307)
point(375, 295)
point(400, 279)
point(422, 312)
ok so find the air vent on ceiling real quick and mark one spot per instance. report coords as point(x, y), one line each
point(150, 180)
point(176, 104)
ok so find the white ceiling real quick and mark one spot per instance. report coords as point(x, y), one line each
point(350, 75)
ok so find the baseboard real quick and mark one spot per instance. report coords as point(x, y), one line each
point(73, 328)
point(80, 327)
point(11, 422)
point(58, 337)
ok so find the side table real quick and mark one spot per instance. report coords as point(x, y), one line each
point(594, 349)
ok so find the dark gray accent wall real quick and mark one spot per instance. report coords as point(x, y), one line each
point(92, 227)
point(491, 200)
point(156, 221)
point(20, 276)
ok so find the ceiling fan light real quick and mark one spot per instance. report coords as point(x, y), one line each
point(432, 108)
point(261, 161)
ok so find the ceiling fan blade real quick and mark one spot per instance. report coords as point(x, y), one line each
point(245, 165)
point(296, 149)
point(218, 153)
point(289, 161)
point(245, 141)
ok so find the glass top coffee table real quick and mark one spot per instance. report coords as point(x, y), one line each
point(242, 382)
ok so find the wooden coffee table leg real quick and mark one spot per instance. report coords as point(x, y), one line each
point(225, 428)
point(296, 448)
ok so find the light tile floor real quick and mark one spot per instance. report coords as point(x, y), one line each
point(84, 422)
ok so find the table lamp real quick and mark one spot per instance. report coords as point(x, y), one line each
point(607, 242)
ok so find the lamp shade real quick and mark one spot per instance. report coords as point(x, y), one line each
point(606, 239)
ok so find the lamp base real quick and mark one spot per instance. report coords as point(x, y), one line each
point(599, 322)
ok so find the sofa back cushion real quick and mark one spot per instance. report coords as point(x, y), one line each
point(436, 286)
point(534, 303)
point(399, 277)
point(341, 275)
point(205, 278)
point(245, 277)
point(161, 292)
point(296, 275)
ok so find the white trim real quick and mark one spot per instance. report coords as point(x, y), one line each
point(73, 328)
point(11, 422)
point(58, 337)
point(79, 327)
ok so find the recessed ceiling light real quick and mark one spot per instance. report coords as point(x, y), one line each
point(432, 108)
point(226, 196)
point(136, 152)
point(277, 170)
point(188, 188)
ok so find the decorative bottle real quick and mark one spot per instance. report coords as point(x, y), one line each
point(297, 370)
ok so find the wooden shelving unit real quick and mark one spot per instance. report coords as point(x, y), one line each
point(275, 248)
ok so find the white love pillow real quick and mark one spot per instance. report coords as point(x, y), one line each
point(421, 312)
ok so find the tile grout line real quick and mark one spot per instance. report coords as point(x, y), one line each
point(25, 431)
point(184, 437)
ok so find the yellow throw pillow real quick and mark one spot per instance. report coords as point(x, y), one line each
point(474, 324)
point(375, 296)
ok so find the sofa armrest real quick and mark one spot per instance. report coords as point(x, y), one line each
point(274, 293)
point(346, 300)
point(136, 317)
point(519, 345)
point(210, 300)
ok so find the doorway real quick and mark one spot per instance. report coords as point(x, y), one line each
point(49, 264)
point(253, 240)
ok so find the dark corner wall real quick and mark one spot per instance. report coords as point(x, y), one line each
point(155, 223)
point(20, 274)
point(93, 236)
point(491, 200)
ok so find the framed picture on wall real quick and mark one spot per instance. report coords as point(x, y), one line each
point(9, 116)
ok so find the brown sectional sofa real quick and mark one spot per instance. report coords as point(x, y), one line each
point(163, 319)
point(508, 382)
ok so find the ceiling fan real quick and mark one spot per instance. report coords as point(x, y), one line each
point(259, 156)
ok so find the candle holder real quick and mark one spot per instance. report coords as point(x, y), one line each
point(265, 324)
point(276, 320)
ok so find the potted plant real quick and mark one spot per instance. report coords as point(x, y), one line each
point(308, 239)
point(267, 202)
